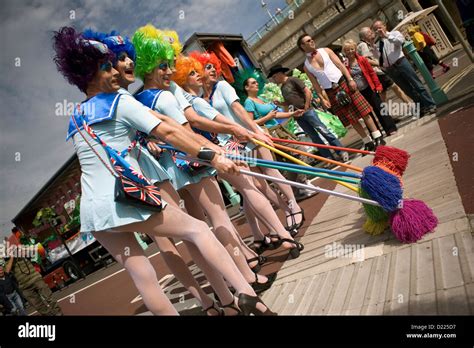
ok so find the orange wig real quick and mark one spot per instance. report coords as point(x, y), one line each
point(184, 65)
point(207, 57)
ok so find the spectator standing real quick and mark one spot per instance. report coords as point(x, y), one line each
point(389, 51)
point(368, 84)
point(338, 90)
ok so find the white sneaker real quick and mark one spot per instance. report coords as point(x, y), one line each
point(345, 156)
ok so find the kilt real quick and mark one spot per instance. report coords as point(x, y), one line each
point(351, 113)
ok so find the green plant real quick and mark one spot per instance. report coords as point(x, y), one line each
point(44, 216)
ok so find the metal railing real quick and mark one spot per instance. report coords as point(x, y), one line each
point(274, 21)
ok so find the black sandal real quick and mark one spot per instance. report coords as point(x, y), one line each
point(231, 306)
point(294, 252)
point(261, 260)
point(295, 226)
point(215, 307)
point(261, 287)
point(263, 245)
point(248, 305)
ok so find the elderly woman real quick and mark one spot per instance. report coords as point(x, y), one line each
point(368, 84)
point(106, 121)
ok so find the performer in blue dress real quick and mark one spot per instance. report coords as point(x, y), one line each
point(188, 75)
point(153, 65)
point(107, 116)
point(152, 169)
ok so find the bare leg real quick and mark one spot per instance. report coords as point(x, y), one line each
point(293, 206)
point(259, 205)
point(126, 250)
point(215, 278)
point(360, 130)
point(253, 222)
point(208, 194)
point(369, 122)
point(196, 211)
point(174, 223)
point(263, 186)
point(178, 267)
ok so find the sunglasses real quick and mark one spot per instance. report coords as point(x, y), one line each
point(164, 66)
point(209, 66)
point(192, 73)
point(107, 66)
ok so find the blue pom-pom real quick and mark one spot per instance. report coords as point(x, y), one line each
point(382, 187)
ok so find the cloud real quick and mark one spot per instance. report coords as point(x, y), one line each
point(31, 87)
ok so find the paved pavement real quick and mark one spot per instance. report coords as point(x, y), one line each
point(432, 276)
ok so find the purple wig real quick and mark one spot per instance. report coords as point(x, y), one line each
point(114, 41)
point(78, 59)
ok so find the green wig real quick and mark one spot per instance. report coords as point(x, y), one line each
point(150, 51)
point(241, 78)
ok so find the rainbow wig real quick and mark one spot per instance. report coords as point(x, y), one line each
point(114, 41)
point(184, 65)
point(173, 38)
point(151, 49)
point(207, 57)
point(78, 59)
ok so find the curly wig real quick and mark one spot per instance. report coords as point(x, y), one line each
point(184, 65)
point(114, 41)
point(76, 58)
point(207, 57)
point(173, 38)
point(151, 49)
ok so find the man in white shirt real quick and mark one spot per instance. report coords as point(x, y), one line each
point(389, 51)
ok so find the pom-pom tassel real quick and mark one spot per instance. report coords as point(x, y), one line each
point(412, 221)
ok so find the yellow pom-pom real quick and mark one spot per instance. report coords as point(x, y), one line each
point(375, 228)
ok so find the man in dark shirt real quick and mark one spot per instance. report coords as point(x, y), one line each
point(298, 96)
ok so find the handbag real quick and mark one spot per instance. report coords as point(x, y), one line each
point(131, 187)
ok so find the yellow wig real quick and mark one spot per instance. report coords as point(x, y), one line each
point(184, 65)
point(173, 38)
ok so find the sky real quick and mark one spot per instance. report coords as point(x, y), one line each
point(33, 94)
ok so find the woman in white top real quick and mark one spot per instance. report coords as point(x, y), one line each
point(154, 69)
point(153, 170)
point(87, 64)
point(222, 96)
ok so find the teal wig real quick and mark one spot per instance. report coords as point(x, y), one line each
point(150, 51)
point(241, 79)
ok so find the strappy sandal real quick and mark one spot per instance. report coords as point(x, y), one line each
point(231, 306)
point(294, 253)
point(261, 260)
point(295, 226)
point(214, 307)
point(261, 287)
point(263, 245)
point(248, 305)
